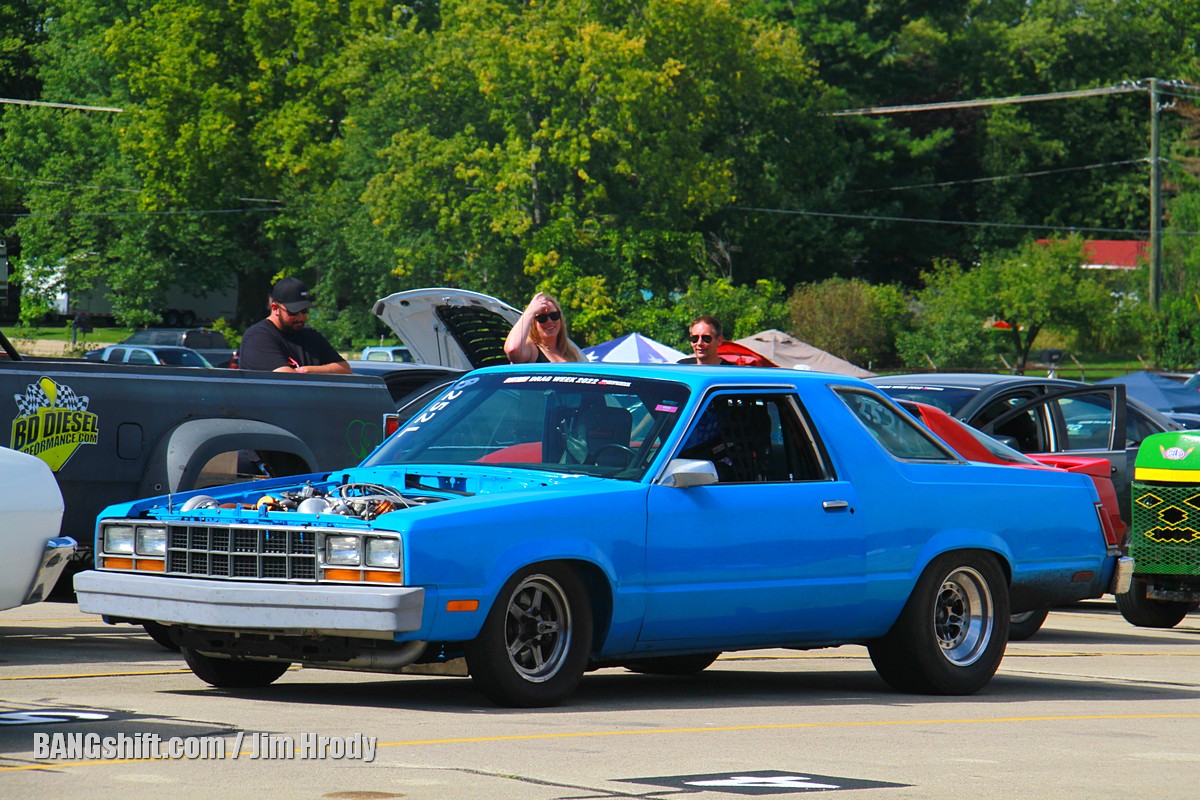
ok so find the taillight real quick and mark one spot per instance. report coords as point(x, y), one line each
point(1110, 533)
point(391, 424)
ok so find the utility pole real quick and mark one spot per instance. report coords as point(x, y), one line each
point(1155, 202)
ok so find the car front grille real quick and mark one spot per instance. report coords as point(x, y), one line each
point(242, 552)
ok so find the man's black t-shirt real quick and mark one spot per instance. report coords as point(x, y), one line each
point(694, 360)
point(265, 347)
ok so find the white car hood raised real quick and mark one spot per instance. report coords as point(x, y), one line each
point(449, 327)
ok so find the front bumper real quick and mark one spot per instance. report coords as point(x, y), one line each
point(54, 557)
point(309, 608)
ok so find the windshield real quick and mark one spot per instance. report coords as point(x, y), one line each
point(182, 358)
point(593, 425)
point(947, 398)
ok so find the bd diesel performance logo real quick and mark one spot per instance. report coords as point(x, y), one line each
point(52, 422)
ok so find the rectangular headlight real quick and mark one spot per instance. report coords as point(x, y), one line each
point(343, 551)
point(383, 553)
point(151, 541)
point(119, 539)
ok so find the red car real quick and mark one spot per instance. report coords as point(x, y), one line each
point(975, 445)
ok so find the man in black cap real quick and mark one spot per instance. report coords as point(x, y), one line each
point(282, 343)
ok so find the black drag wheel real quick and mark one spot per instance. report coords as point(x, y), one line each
point(1023, 626)
point(672, 665)
point(951, 635)
point(1140, 610)
point(533, 648)
point(228, 673)
point(161, 634)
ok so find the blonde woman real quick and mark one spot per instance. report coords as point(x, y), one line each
point(540, 335)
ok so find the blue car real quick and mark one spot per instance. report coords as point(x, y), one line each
point(536, 521)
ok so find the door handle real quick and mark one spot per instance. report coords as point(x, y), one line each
point(835, 505)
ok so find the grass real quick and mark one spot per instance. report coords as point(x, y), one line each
point(63, 334)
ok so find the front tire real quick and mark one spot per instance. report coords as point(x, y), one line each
point(161, 634)
point(229, 673)
point(533, 648)
point(1140, 610)
point(1024, 626)
point(950, 637)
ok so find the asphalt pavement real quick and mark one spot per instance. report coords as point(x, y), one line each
point(1089, 708)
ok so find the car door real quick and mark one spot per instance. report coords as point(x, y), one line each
point(771, 549)
point(1084, 421)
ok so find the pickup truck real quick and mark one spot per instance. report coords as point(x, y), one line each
point(110, 433)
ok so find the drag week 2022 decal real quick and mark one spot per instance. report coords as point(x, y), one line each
point(52, 422)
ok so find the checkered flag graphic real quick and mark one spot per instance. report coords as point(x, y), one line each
point(35, 397)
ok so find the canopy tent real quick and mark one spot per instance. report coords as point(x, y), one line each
point(633, 349)
point(743, 356)
point(788, 351)
point(1158, 391)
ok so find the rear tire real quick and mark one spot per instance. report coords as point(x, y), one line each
point(1140, 610)
point(533, 648)
point(229, 673)
point(950, 637)
point(672, 665)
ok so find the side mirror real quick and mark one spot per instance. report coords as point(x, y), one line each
point(684, 472)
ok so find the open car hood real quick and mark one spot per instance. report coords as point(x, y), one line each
point(449, 327)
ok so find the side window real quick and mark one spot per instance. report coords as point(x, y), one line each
point(140, 357)
point(1088, 420)
point(897, 433)
point(1027, 432)
point(1137, 427)
point(754, 439)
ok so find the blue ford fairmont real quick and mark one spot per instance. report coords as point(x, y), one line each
point(536, 521)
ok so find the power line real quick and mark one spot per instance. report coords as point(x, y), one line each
point(178, 212)
point(1013, 176)
point(12, 101)
point(962, 223)
point(1123, 88)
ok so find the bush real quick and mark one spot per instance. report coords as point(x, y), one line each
point(852, 319)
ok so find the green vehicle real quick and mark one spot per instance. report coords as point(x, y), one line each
point(1164, 538)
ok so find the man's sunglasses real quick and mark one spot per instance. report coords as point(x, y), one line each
point(301, 313)
point(544, 318)
point(697, 337)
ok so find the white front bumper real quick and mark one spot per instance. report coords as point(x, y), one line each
point(249, 606)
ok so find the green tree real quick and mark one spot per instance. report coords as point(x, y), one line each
point(1028, 289)
point(586, 148)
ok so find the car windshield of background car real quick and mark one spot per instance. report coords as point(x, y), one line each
point(947, 398)
point(586, 424)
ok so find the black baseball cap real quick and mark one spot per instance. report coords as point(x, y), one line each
point(292, 294)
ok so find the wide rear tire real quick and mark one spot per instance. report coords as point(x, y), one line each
point(229, 673)
point(950, 637)
point(534, 645)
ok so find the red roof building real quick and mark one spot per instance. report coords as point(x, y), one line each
point(1112, 253)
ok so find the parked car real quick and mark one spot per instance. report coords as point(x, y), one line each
point(34, 553)
point(386, 353)
point(208, 343)
point(537, 520)
point(1042, 415)
point(975, 445)
point(149, 355)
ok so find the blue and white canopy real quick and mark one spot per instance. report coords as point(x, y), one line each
point(633, 349)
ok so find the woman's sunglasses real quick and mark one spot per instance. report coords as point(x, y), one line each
point(544, 318)
point(697, 337)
